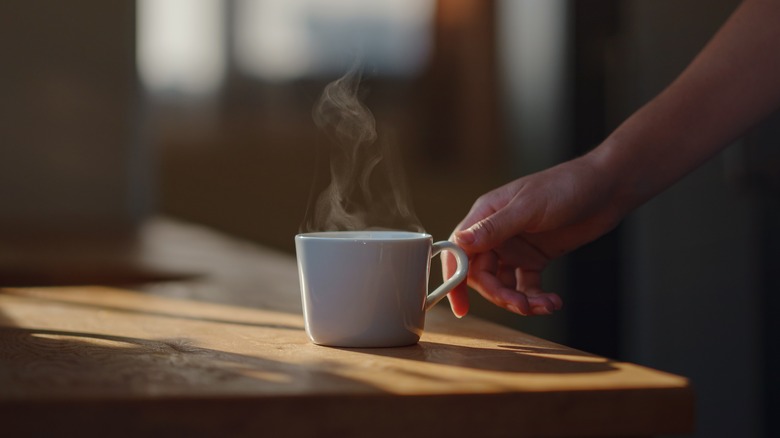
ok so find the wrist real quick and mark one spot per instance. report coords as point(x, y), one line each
point(618, 181)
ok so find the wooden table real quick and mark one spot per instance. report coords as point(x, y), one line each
point(212, 343)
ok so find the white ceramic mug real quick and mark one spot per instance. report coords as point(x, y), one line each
point(369, 288)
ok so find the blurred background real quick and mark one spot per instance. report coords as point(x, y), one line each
point(112, 113)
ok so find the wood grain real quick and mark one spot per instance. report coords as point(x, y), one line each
point(177, 357)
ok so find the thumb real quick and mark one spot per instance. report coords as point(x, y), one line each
point(491, 231)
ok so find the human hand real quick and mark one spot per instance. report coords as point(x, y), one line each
point(512, 233)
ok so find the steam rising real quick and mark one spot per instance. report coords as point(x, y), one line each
point(366, 189)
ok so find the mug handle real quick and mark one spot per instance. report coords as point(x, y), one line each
point(460, 273)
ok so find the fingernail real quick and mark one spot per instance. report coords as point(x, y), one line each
point(466, 236)
point(541, 310)
point(514, 309)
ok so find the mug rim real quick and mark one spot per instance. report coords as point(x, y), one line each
point(373, 235)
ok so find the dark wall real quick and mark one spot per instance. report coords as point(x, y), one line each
point(70, 155)
point(691, 284)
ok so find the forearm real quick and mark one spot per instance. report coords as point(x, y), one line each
point(732, 84)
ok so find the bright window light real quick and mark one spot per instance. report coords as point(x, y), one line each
point(289, 39)
point(183, 45)
point(180, 45)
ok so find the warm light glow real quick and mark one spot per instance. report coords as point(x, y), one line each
point(534, 38)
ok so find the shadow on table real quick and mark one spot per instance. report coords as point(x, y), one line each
point(57, 363)
point(503, 357)
point(87, 274)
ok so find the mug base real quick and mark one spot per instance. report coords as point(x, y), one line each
point(362, 343)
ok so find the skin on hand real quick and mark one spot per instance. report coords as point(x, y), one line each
point(512, 233)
